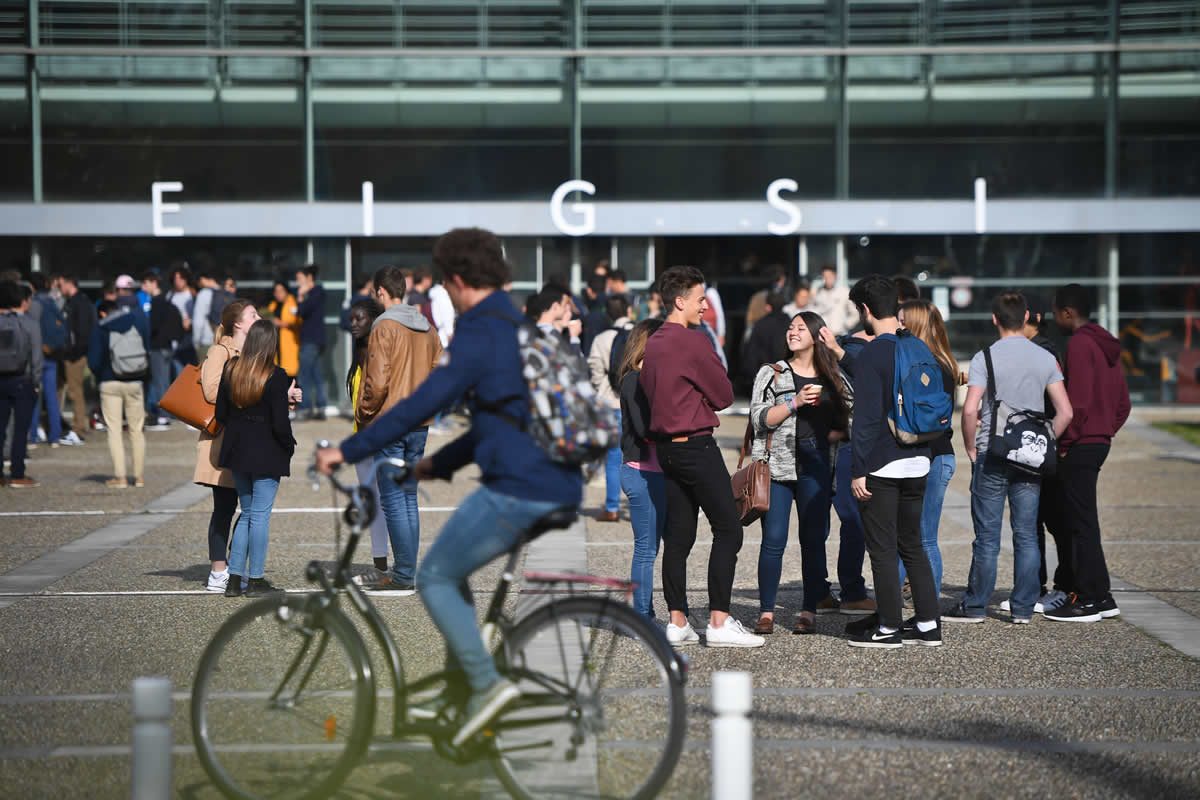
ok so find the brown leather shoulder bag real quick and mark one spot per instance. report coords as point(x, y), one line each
point(752, 485)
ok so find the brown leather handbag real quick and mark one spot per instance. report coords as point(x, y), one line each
point(752, 485)
point(185, 401)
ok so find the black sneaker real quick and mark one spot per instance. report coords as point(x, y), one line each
point(260, 587)
point(234, 587)
point(865, 624)
point(1108, 607)
point(877, 638)
point(959, 614)
point(910, 634)
point(1077, 611)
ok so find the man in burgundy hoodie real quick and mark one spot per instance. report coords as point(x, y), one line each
point(685, 383)
point(1100, 400)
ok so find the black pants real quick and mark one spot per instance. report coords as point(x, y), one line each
point(1050, 520)
point(1078, 473)
point(225, 503)
point(16, 399)
point(892, 525)
point(696, 479)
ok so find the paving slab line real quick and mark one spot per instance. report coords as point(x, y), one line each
point(56, 565)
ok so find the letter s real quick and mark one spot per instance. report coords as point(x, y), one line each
point(789, 208)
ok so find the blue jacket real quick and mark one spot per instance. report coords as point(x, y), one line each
point(98, 358)
point(873, 446)
point(312, 311)
point(482, 366)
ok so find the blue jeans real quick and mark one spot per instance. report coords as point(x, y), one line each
point(486, 524)
point(991, 483)
point(647, 493)
point(160, 381)
point(612, 479)
point(810, 493)
point(399, 504)
point(853, 547)
point(49, 393)
point(248, 546)
point(941, 470)
point(310, 377)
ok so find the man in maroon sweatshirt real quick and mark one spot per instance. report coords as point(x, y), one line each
point(685, 383)
point(1100, 401)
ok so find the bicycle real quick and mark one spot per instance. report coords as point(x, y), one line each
point(308, 716)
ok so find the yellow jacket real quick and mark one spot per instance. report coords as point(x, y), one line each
point(289, 335)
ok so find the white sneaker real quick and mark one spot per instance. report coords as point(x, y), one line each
point(70, 438)
point(732, 634)
point(1005, 605)
point(217, 581)
point(678, 636)
point(1051, 601)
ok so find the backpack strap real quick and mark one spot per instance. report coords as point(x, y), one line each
point(991, 390)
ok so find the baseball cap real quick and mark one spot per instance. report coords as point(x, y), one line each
point(125, 282)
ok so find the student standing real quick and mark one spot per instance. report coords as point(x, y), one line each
point(641, 475)
point(1099, 397)
point(252, 404)
point(922, 319)
point(284, 316)
point(363, 313)
point(616, 312)
point(311, 309)
point(21, 360)
point(888, 479)
point(81, 319)
point(236, 319)
point(686, 384)
point(800, 402)
point(118, 357)
point(401, 352)
point(1023, 374)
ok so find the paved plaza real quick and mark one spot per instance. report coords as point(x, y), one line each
point(100, 586)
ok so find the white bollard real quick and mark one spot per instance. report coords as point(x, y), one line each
point(732, 736)
point(151, 739)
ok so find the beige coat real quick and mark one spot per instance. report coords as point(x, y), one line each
point(209, 447)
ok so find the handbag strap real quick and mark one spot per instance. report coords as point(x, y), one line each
point(748, 437)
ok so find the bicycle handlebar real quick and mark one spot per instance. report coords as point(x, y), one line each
point(404, 469)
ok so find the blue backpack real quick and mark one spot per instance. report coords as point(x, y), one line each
point(921, 406)
point(54, 326)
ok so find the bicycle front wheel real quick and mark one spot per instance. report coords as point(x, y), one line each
point(601, 713)
point(284, 700)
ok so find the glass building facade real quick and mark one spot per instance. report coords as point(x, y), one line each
point(1081, 116)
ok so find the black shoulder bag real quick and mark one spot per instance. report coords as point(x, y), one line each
point(1027, 442)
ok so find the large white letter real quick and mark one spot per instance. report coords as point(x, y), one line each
point(789, 208)
point(585, 210)
point(158, 207)
point(368, 191)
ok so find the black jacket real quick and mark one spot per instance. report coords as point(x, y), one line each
point(635, 419)
point(873, 446)
point(767, 344)
point(81, 319)
point(166, 323)
point(258, 438)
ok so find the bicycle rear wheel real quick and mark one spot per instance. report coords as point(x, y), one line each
point(601, 714)
point(284, 700)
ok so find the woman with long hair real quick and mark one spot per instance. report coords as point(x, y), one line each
point(641, 476)
point(284, 317)
point(923, 320)
point(363, 313)
point(252, 404)
point(801, 401)
point(236, 319)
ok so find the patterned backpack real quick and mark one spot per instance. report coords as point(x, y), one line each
point(567, 419)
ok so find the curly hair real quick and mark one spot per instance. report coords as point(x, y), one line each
point(474, 255)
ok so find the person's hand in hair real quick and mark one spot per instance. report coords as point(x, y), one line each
point(830, 340)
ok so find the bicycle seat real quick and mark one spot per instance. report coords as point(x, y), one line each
point(557, 519)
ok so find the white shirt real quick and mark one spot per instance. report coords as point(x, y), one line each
point(714, 300)
point(443, 312)
point(202, 332)
point(912, 467)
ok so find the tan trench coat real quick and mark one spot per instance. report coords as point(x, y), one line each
point(209, 447)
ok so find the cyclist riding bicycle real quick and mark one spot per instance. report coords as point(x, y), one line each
point(520, 484)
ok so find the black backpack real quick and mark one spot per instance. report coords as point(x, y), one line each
point(1027, 441)
point(220, 299)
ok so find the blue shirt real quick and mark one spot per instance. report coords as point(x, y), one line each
point(482, 366)
point(99, 360)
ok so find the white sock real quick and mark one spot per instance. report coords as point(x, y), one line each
point(222, 572)
point(884, 630)
point(926, 626)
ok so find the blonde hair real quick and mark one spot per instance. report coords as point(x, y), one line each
point(635, 346)
point(250, 371)
point(229, 317)
point(923, 320)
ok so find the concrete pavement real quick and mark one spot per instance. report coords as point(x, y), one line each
point(89, 601)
